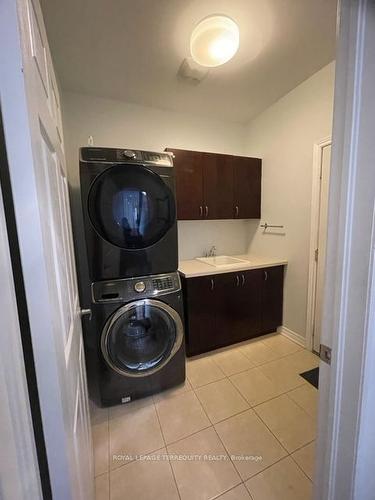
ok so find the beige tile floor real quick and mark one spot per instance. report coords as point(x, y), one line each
point(241, 427)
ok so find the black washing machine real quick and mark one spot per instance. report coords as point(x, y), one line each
point(129, 213)
point(134, 340)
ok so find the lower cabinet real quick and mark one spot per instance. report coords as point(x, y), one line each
point(226, 308)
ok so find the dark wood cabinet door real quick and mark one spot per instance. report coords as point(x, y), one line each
point(227, 308)
point(272, 298)
point(218, 186)
point(238, 302)
point(247, 187)
point(200, 310)
point(249, 304)
point(189, 184)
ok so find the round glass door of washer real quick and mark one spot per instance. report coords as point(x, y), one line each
point(141, 337)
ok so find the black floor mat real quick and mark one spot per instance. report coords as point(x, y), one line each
point(312, 376)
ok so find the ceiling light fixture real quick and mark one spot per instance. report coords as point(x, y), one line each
point(214, 41)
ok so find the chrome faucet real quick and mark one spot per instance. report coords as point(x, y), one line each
point(212, 252)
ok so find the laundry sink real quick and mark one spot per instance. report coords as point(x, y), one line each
point(222, 260)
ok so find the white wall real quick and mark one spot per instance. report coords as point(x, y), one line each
point(118, 124)
point(283, 136)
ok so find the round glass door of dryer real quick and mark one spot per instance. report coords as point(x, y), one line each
point(131, 207)
point(141, 337)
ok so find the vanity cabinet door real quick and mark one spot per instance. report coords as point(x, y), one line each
point(228, 312)
point(272, 298)
point(238, 303)
point(249, 314)
point(200, 311)
point(189, 184)
point(247, 187)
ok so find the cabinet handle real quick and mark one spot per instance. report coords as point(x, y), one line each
point(212, 285)
point(265, 276)
point(238, 280)
point(200, 211)
point(243, 279)
point(206, 213)
point(237, 211)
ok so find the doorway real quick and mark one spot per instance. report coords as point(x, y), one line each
point(318, 241)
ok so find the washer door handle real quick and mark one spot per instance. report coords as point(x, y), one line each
point(85, 312)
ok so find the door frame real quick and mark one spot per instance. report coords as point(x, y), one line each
point(314, 227)
point(346, 440)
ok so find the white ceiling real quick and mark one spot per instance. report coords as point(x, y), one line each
point(132, 49)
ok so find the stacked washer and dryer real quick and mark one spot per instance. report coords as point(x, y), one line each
point(134, 338)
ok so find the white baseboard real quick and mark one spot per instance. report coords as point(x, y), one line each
point(295, 337)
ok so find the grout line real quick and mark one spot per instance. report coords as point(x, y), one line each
point(274, 435)
point(172, 443)
point(266, 468)
point(230, 416)
point(275, 397)
point(303, 446)
point(217, 497)
point(165, 443)
point(300, 406)
point(237, 349)
point(195, 432)
point(101, 474)
point(172, 396)
point(300, 468)
point(208, 383)
point(237, 373)
point(160, 426)
point(250, 495)
point(208, 418)
point(223, 445)
point(279, 356)
point(144, 453)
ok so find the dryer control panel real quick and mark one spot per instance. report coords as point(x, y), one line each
point(124, 290)
point(115, 155)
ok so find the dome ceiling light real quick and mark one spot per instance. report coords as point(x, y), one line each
point(214, 41)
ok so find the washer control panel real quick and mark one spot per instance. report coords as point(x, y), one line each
point(162, 284)
point(124, 290)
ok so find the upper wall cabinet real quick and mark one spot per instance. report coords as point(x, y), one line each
point(217, 186)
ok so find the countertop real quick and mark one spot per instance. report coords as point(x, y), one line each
point(193, 268)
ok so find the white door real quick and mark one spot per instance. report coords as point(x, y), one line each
point(320, 252)
point(33, 132)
